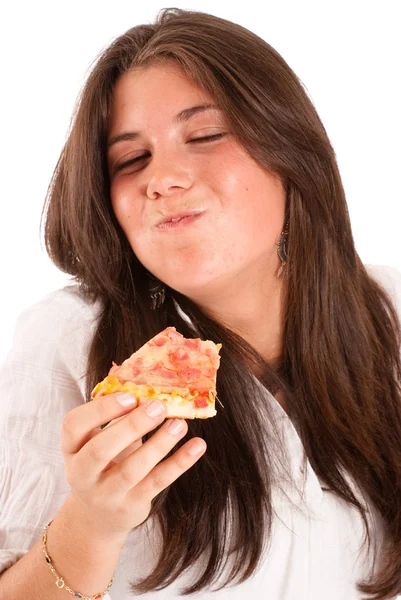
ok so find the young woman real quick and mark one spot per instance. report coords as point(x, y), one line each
point(198, 189)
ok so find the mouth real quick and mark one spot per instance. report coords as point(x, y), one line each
point(179, 218)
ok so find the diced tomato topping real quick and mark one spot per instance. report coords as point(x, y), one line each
point(192, 344)
point(168, 373)
point(178, 355)
point(159, 340)
point(157, 367)
point(190, 374)
point(172, 333)
point(113, 368)
point(137, 366)
point(201, 402)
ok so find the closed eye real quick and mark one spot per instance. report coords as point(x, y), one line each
point(208, 138)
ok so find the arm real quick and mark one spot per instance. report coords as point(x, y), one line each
point(106, 497)
point(80, 554)
point(40, 381)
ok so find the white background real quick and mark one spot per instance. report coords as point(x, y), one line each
point(347, 53)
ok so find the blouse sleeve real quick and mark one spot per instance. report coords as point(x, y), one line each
point(390, 279)
point(42, 378)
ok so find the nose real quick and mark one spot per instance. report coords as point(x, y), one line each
point(167, 176)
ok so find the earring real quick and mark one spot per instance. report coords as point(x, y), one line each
point(282, 248)
point(157, 292)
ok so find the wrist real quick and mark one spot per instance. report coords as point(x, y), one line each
point(83, 554)
point(60, 581)
point(77, 515)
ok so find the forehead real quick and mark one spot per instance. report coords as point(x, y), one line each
point(165, 72)
point(157, 89)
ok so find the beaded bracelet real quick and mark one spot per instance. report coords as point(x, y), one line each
point(60, 583)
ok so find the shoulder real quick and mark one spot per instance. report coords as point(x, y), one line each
point(56, 330)
point(59, 311)
point(64, 303)
point(389, 278)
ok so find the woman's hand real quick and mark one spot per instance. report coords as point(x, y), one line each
point(113, 476)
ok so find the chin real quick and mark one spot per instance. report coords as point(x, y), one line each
point(194, 287)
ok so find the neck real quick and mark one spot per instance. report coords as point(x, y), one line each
point(252, 310)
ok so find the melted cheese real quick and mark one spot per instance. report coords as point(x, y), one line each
point(179, 401)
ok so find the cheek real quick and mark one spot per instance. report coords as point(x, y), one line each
point(119, 199)
point(124, 208)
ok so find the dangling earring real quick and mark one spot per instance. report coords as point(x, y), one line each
point(157, 292)
point(282, 248)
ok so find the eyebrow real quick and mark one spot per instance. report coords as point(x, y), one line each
point(182, 116)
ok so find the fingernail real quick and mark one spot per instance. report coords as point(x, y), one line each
point(195, 448)
point(174, 426)
point(155, 408)
point(126, 399)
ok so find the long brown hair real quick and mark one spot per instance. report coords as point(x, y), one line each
point(340, 369)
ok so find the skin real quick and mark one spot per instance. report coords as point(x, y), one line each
point(227, 261)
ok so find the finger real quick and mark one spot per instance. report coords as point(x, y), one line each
point(96, 431)
point(79, 422)
point(137, 466)
point(97, 453)
point(166, 472)
point(129, 450)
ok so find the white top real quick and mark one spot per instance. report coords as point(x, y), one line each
point(314, 550)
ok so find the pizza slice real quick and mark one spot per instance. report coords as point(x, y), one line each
point(180, 371)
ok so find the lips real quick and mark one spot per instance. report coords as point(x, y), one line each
point(176, 217)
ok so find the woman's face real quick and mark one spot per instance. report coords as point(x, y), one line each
point(240, 205)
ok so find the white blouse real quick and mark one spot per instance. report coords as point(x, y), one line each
point(314, 553)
